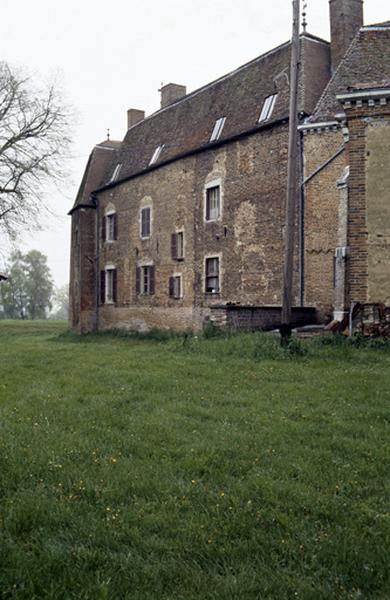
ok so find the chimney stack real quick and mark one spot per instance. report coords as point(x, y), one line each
point(134, 116)
point(346, 18)
point(171, 92)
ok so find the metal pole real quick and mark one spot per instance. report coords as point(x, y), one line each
point(292, 181)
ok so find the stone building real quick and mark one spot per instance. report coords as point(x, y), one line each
point(183, 220)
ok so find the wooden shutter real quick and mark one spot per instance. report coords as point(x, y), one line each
point(174, 245)
point(103, 229)
point(102, 286)
point(171, 287)
point(114, 285)
point(115, 226)
point(138, 280)
point(152, 280)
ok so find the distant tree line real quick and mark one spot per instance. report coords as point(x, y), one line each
point(29, 292)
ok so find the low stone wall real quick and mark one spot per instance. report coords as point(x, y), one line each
point(259, 317)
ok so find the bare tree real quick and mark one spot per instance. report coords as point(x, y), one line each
point(34, 140)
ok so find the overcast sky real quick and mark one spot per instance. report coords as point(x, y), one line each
point(114, 55)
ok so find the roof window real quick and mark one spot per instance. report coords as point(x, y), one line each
point(156, 154)
point(217, 129)
point(116, 172)
point(268, 108)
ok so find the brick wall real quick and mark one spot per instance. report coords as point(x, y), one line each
point(321, 216)
point(368, 198)
point(259, 317)
point(247, 238)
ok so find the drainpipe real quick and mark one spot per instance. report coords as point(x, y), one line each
point(97, 265)
point(301, 223)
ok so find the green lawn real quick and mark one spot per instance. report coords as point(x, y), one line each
point(192, 469)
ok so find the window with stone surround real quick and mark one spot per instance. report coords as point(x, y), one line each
point(212, 279)
point(146, 222)
point(145, 279)
point(176, 286)
point(109, 227)
point(177, 245)
point(213, 203)
point(108, 285)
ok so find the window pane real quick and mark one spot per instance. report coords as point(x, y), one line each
point(177, 287)
point(212, 203)
point(145, 222)
point(212, 275)
point(110, 228)
point(180, 245)
point(268, 108)
point(109, 285)
point(217, 129)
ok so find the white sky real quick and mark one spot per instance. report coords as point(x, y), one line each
point(114, 55)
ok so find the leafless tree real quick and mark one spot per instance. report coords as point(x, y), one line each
point(34, 141)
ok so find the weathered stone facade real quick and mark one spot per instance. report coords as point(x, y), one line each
point(187, 213)
point(244, 238)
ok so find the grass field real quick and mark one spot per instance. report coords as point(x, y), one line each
point(191, 468)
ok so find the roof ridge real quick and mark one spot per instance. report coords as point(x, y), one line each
point(215, 81)
point(227, 75)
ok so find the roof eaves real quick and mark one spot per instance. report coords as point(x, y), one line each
point(194, 151)
point(83, 205)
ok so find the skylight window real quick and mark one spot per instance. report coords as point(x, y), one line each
point(116, 172)
point(217, 129)
point(156, 154)
point(268, 108)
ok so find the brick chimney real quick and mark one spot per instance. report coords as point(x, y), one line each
point(346, 18)
point(171, 92)
point(134, 116)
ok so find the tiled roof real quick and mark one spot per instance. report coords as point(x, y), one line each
point(186, 125)
point(96, 172)
point(367, 61)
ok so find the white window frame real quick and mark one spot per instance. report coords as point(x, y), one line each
point(218, 127)
point(156, 154)
point(210, 186)
point(109, 284)
point(205, 276)
point(110, 225)
point(146, 237)
point(268, 107)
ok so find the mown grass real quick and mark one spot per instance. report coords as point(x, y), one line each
point(179, 467)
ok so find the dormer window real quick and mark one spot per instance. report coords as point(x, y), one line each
point(116, 172)
point(156, 154)
point(217, 129)
point(268, 108)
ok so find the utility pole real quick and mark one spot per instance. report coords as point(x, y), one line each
point(292, 181)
